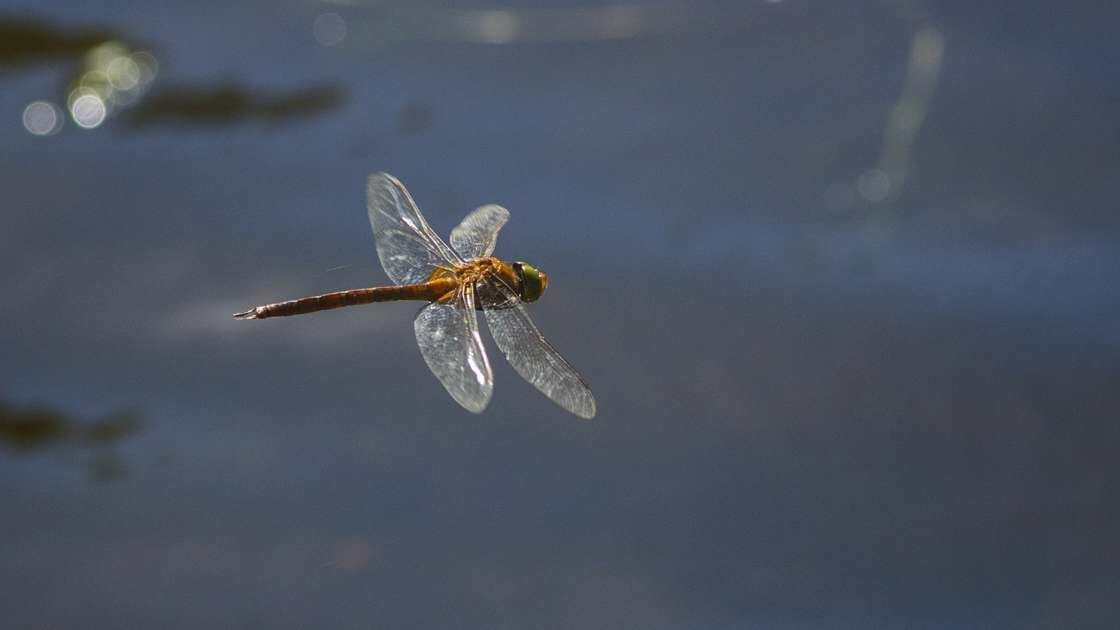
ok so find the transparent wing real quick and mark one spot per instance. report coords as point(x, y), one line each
point(452, 347)
point(477, 235)
point(408, 247)
point(534, 358)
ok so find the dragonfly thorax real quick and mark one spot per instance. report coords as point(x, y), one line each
point(527, 281)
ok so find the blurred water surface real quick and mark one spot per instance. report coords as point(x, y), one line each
point(843, 279)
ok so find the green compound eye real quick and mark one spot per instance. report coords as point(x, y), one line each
point(533, 281)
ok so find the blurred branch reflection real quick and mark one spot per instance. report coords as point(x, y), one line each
point(228, 103)
point(35, 428)
point(29, 42)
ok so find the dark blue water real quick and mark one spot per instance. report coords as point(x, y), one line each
point(843, 278)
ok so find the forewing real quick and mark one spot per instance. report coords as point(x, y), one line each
point(408, 247)
point(452, 347)
point(535, 359)
point(477, 235)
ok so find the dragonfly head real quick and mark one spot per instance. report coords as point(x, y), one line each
point(533, 281)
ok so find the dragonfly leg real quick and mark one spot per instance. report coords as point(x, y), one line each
point(448, 297)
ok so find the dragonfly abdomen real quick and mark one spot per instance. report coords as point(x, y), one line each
point(427, 291)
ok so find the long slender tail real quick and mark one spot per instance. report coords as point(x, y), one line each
point(338, 299)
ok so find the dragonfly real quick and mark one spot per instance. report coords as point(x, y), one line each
point(457, 281)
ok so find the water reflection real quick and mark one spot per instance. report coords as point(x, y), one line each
point(503, 25)
point(37, 428)
point(919, 432)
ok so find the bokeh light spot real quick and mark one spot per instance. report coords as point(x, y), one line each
point(329, 29)
point(621, 22)
point(88, 110)
point(123, 73)
point(498, 27)
point(96, 82)
point(147, 65)
point(874, 185)
point(102, 55)
point(41, 118)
